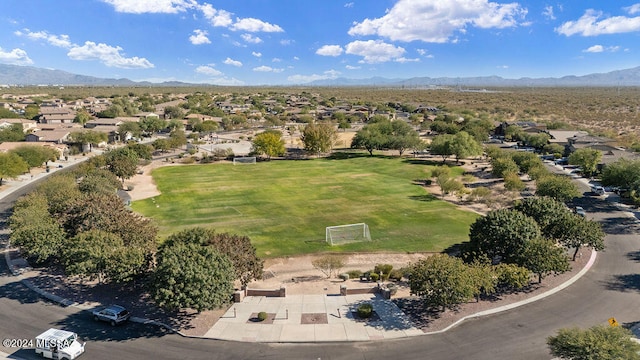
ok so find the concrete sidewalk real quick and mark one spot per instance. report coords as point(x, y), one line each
point(312, 318)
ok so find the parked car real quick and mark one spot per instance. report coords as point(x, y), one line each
point(113, 314)
point(599, 190)
point(580, 211)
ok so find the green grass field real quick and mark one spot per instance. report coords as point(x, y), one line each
point(284, 206)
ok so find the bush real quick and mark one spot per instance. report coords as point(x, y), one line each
point(365, 310)
point(374, 277)
point(396, 274)
point(354, 274)
point(262, 316)
point(344, 276)
point(384, 269)
point(188, 160)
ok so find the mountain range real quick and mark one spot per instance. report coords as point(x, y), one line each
point(14, 75)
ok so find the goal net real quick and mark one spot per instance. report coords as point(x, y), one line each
point(244, 160)
point(344, 234)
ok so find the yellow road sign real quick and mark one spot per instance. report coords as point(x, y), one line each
point(613, 322)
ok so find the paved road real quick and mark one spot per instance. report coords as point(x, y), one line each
point(610, 289)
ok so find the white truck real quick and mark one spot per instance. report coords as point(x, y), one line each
point(59, 344)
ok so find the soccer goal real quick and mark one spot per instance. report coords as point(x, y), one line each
point(244, 160)
point(344, 234)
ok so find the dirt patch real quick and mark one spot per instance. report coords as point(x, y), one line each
point(253, 319)
point(314, 319)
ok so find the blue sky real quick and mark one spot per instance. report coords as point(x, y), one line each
point(286, 42)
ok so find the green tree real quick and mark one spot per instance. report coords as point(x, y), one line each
point(122, 162)
point(151, 124)
point(102, 255)
point(548, 212)
point(599, 342)
point(82, 117)
point(511, 276)
point(501, 166)
point(441, 145)
point(192, 276)
point(621, 173)
point(36, 155)
point(319, 138)
point(269, 143)
point(11, 166)
point(484, 278)
point(512, 182)
point(537, 141)
point(558, 187)
point(129, 127)
point(88, 137)
point(371, 137)
point(99, 181)
point(588, 160)
point(177, 139)
point(34, 230)
point(13, 133)
point(526, 161)
point(173, 112)
point(206, 127)
point(464, 145)
point(441, 281)
point(502, 233)
point(247, 266)
point(575, 231)
point(544, 257)
point(402, 137)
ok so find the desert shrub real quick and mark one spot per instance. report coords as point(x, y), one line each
point(374, 277)
point(384, 269)
point(354, 274)
point(365, 310)
point(396, 274)
point(188, 160)
point(344, 276)
point(262, 316)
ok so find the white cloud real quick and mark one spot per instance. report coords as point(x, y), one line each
point(15, 57)
point(374, 51)
point(349, 5)
point(251, 39)
point(276, 60)
point(256, 54)
point(592, 23)
point(296, 58)
point(351, 67)
point(55, 40)
point(264, 68)
point(216, 17)
point(107, 55)
point(301, 79)
point(405, 60)
point(437, 20)
point(254, 25)
point(548, 12)
point(600, 48)
point(230, 61)
point(227, 81)
point(208, 70)
point(330, 50)
point(633, 9)
point(199, 37)
point(151, 6)
point(502, 67)
point(286, 42)
point(594, 49)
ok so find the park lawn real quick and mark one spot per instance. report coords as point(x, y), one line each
point(285, 206)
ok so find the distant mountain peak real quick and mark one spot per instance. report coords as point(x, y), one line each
point(29, 75)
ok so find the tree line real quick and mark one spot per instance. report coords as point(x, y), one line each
point(77, 221)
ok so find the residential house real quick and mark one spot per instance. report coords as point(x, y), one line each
point(27, 125)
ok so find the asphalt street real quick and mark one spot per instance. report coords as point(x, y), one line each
point(610, 289)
